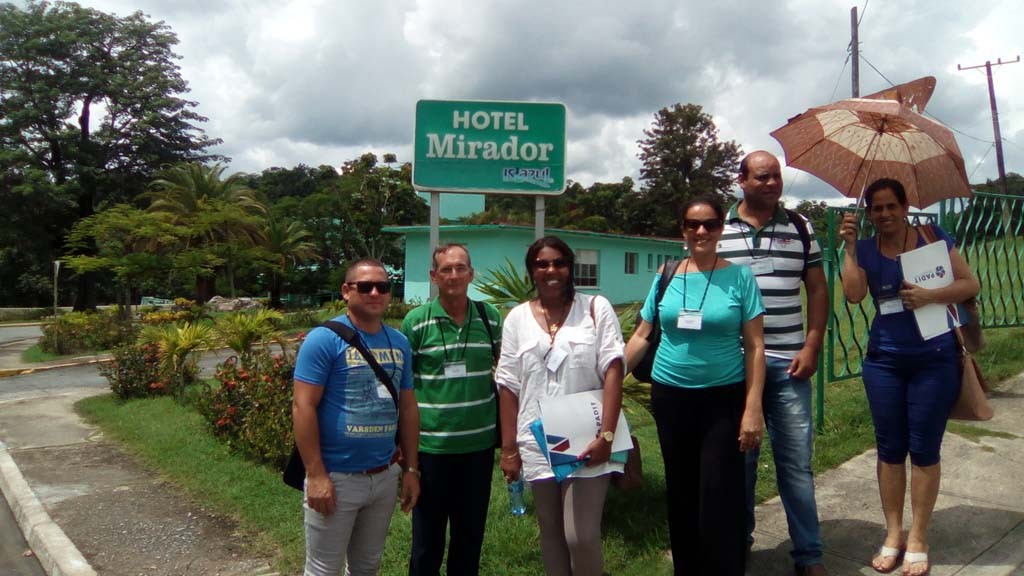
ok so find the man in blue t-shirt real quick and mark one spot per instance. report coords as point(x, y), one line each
point(345, 422)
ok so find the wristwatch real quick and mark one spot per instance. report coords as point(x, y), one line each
point(608, 436)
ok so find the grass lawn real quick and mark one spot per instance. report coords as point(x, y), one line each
point(37, 354)
point(174, 440)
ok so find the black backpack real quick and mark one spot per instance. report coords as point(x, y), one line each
point(642, 371)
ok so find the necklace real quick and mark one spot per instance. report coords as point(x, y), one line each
point(903, 246)
point(553, 326)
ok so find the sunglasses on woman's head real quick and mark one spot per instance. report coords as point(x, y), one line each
point(709, 225)
point(366, 286)
point(545, 264)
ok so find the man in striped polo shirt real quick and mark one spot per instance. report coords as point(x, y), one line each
point(454, 349)
point(780, 248)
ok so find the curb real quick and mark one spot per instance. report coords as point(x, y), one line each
point(57, 554)
point(33, 369)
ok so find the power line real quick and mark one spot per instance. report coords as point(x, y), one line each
point(877, 71)
point(980, 162)
point(926, 112)
point(839, 78)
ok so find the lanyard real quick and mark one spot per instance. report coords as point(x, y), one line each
point(465, 343)
point(903, 248)
point(706, 286)
point(391, 349)
point(750, 248)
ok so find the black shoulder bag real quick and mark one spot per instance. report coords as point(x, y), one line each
point(642, 371)
point(482, 311)
point(294, 473)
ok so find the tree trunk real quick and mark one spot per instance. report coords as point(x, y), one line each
point(275, 291)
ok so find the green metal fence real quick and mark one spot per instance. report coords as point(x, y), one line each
point(989, 233)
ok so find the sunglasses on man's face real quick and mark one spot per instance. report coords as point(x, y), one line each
point(710, 225)
point(545, 264)
point(366, 286)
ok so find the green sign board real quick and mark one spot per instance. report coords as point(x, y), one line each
point(477, 147)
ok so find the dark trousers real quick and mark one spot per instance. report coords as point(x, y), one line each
point(704, 477)
point(454, 489)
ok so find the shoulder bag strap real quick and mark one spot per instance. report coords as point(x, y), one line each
point(352, 338)
point(805, 237)
point(482, 311)
point(667, 272)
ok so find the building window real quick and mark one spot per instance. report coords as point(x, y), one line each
point(650, 262)
point(586, 268)
point(631, 259)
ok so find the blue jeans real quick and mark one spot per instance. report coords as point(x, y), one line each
point(910, 396)
point(787, 414)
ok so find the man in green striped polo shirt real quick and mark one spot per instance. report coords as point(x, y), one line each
point(780, 248)
point(454, 342)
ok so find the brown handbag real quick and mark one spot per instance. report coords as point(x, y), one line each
point(972, 404)
point(632, 475)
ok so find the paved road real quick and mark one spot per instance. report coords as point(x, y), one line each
point(10, 334)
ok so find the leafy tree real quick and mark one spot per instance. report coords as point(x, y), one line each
point(682, 158)
point(285, 244)
point(222, 215)
point(91, 106)
point(130, 243)
point(817, 213)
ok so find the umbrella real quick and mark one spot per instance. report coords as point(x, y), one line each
point(914, 94)
point(853, 142)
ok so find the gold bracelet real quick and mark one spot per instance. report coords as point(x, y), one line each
point(510, 456)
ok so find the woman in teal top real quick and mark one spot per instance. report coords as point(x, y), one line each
point(705, 394)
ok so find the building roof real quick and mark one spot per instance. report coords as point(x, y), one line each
point(517, 228)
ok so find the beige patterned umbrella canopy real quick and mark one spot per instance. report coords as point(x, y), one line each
point(853, 142)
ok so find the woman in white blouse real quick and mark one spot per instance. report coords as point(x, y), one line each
point(561, 342)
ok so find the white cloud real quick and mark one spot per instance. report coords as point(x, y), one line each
point(315, 81)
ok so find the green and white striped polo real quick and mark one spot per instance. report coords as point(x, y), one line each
point(457, 413)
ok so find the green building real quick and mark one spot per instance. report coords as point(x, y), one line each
point(620, 268)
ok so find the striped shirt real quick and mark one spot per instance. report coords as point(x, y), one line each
point(778, 242)
point(458, 413)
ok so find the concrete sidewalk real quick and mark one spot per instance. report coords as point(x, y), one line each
point(978, 524)
point(87, 507)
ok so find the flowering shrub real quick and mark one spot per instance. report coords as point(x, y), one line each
point(252, 406)
point(165, 316)
point(86, 331)
point(135, 372)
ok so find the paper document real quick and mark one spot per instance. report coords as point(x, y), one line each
point(929, 267)
point(571, 423)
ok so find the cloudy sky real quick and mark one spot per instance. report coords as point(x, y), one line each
point(321, 81)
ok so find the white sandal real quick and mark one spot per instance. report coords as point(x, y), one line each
point(911, 558)
point(887, 552)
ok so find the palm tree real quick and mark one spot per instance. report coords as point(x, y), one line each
point(223, 214)
point(241, 331)
point(286, 243)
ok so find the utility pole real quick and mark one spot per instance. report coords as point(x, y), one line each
point(995, 115)
point(854, 54)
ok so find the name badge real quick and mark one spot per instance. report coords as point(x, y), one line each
point(382, 392)
point(555, 358)
point(890, 306)
point(455, 369)
point(690, 319)
point(761, 266)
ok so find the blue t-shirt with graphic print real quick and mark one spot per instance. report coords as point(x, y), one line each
point(356, 415)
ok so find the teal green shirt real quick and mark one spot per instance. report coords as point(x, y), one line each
point(713, 355)
point(458, 414)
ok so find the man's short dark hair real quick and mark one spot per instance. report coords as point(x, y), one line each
point(443, 248)
point(372, 262)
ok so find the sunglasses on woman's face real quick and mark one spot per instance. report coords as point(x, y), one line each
point(366, 286)
point(545, 264)
point(711, 225)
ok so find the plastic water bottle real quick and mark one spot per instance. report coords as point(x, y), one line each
point(515, 497)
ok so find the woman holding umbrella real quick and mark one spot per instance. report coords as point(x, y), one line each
point(911, 384)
